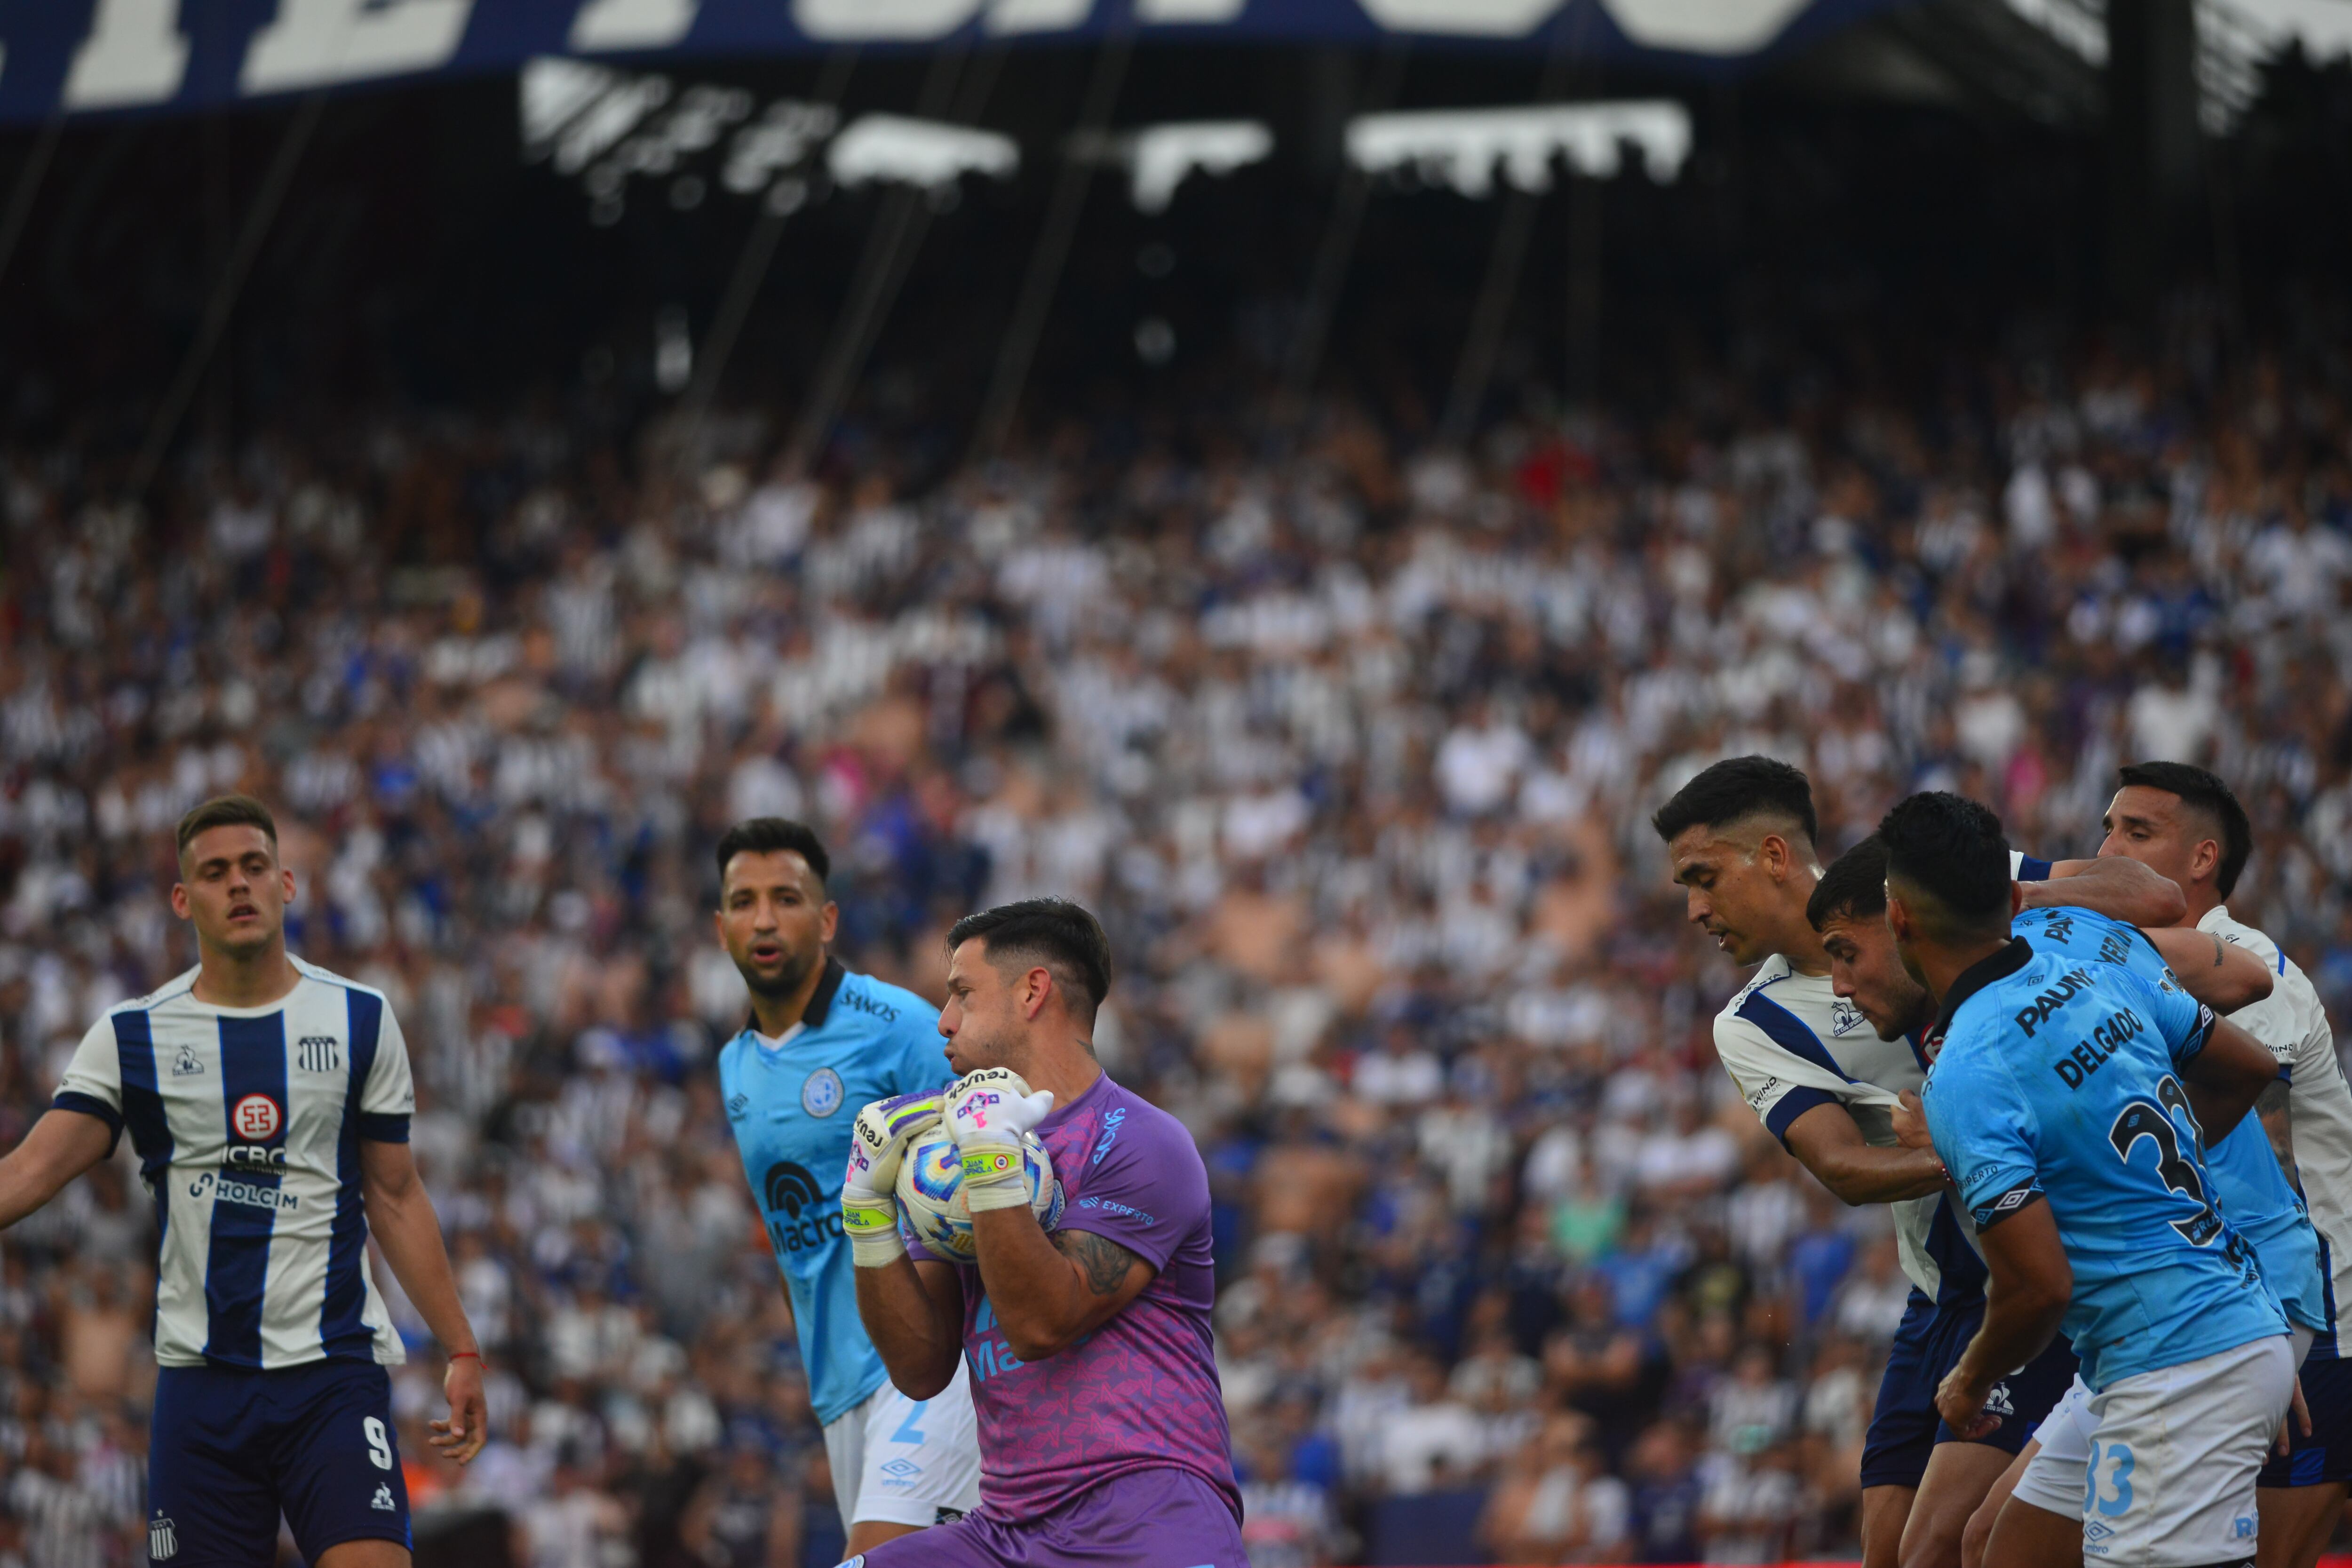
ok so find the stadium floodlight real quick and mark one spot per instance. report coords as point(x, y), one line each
point(1460, 147)
point(1159, 158)
point(925, 152)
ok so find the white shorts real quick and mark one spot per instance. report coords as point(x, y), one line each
point(2160, 1467)
point(904, 1461)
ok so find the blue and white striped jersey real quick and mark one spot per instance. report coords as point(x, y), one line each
point(247, 1123)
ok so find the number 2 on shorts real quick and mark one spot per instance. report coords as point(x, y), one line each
point(379, 1442)
point(2119, 1469)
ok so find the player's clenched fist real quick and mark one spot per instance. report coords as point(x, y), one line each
point(988, 1112)
point(869, 1203)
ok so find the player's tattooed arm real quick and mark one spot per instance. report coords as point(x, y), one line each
point(1102, 1262)
point(2221, 974)
point(2278, 1125)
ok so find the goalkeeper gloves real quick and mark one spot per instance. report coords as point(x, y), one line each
point(869, 1187)
point(988, 1112)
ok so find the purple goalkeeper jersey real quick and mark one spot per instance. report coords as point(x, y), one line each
point(1142, 1389)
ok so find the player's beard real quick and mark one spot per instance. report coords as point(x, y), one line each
point(786, 980)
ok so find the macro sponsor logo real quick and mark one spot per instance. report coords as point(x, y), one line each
point(230, 1190)
point(799, 1219)
point(2071, 984)
point(2088, 1057)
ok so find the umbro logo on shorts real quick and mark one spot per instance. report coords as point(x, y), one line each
point(383, 1500)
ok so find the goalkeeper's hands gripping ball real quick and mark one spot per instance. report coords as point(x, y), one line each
point(988, 1114)
point(869, 1201)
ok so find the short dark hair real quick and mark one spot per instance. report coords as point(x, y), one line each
point(1056, 932)
point(1854, 888)
point(1736, 789)
point(2205, 792)
point(766, 835)
point(1951, 848)
point(226, 811)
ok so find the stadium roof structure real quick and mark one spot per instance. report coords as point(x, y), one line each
point(2042, 56)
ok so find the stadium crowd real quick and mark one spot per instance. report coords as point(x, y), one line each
point(1354, 749)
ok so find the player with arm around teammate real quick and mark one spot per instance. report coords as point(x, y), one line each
point(2057, 1098)
point(2187, 825)
point(821, 1040)
point(269, 1103)
point(1849, 908)
point(1102, 1426)
point(1740, 839)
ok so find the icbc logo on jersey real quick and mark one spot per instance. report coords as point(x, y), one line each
point(255, 1118)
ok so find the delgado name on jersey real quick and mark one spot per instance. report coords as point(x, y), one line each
point(247, 1123)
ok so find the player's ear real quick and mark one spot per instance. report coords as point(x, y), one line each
point(2016, 899)
point(828, 921)
point(180, 899)
point(2204, 857)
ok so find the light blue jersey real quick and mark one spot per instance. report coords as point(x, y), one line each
point(791, 1104)
point(2248, 1185)
point(2054, 1079)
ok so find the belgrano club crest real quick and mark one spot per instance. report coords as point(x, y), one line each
point(163, 1540)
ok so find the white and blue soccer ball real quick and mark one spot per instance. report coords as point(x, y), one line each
point(930, 1193)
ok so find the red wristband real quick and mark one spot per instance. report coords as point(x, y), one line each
point(461, 1355)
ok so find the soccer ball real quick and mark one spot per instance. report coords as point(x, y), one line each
point(930, 1193)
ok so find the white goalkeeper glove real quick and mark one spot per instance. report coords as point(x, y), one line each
point(869, 1187)
point(988, 1112)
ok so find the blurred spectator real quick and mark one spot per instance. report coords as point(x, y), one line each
point(1352, 742)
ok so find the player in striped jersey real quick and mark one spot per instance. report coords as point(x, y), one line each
point(1740, 839)
point(269, 1103)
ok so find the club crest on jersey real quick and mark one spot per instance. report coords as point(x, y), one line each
point(317, 1053)
point(163, 1539)
point(822, 1095)
point(187, 1064)
point(256, 1118)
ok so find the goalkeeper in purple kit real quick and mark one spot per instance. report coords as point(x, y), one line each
point(1102, 1427)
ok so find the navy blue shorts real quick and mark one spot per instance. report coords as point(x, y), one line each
point(234, 1448)
point(1905, 1427)
point(2327, 1455)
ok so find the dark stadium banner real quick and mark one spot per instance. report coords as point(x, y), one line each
point(102, 57)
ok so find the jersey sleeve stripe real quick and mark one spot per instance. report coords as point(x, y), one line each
point(1783, 1028)
point(2030, 869)
point(383, 1127)
point(1791, 1105)
point(237, 1269)
point(343, 1307)
point(90, 1105)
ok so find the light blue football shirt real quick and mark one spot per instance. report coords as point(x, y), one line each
point(791, 1105)
point(2248, 1184)
point(2054, 1078)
